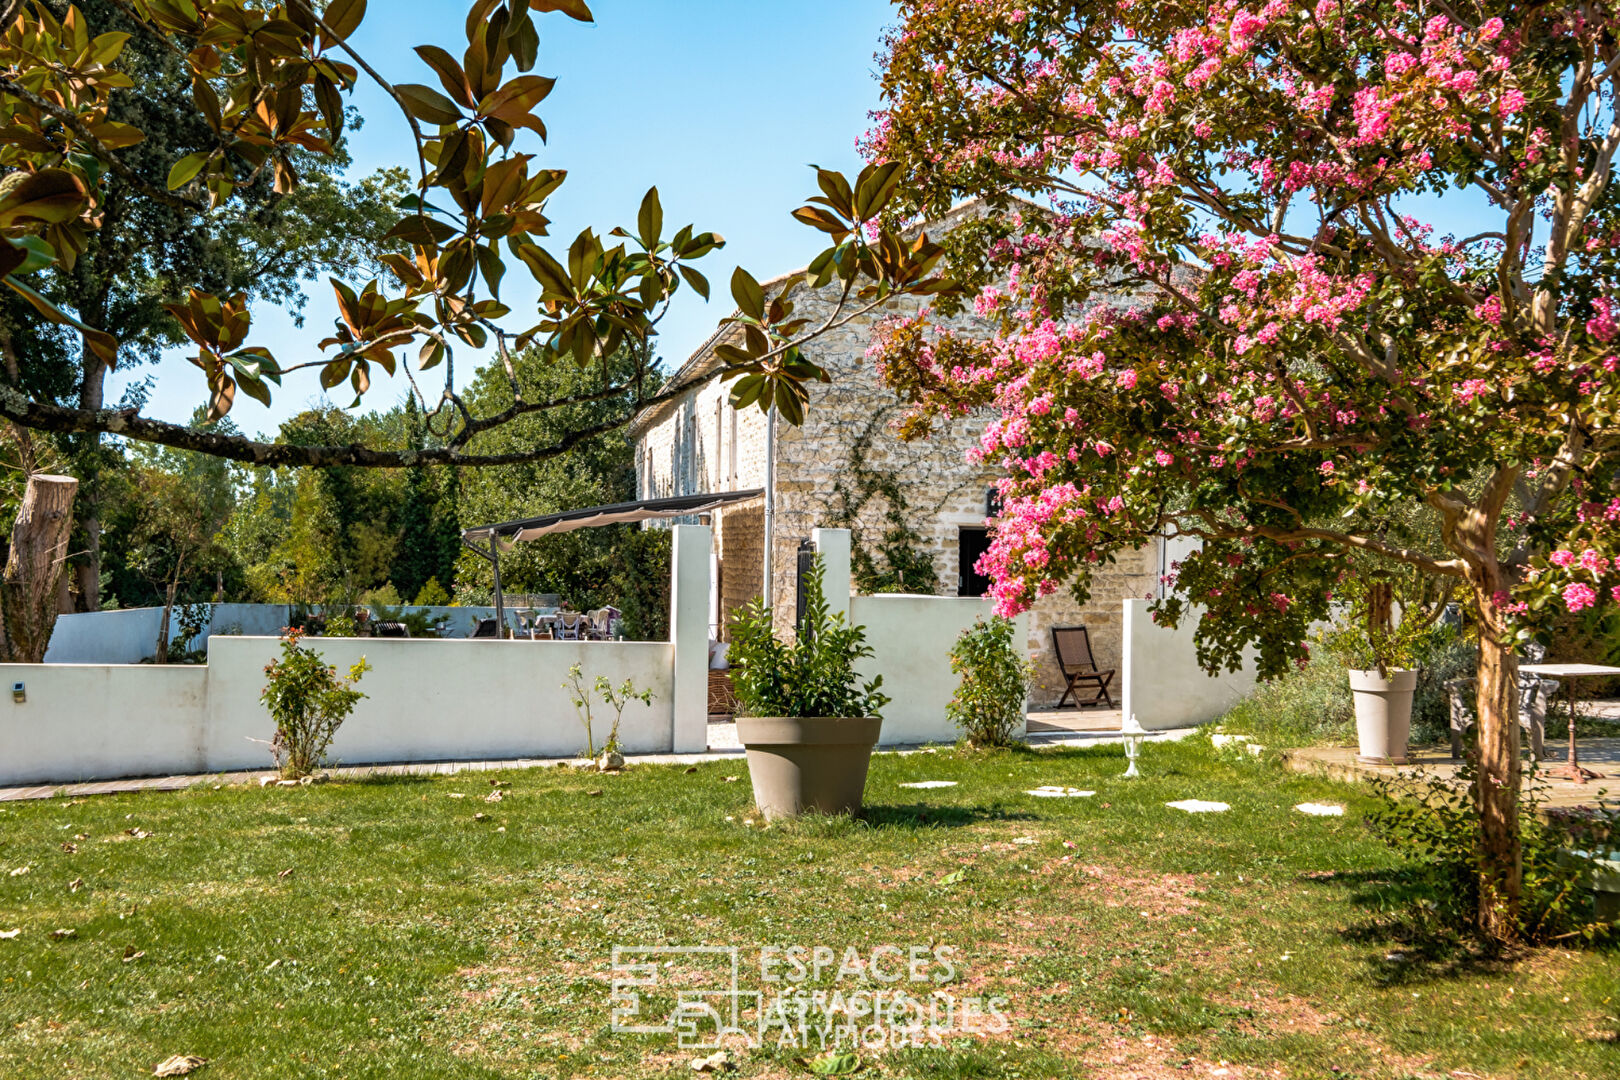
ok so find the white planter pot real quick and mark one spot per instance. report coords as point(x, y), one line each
point(1383, 714)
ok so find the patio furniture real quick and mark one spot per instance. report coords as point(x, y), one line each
point(722, 699)
point(571, 626)
point(390, 629)
point(1534, 697)
point(487, 628)
point(1572, 768)
point(1072, 644)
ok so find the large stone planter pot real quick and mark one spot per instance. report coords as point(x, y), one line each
point(1383, 714)
point(803, 764)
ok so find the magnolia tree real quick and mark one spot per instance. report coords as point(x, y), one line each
point(268, 82)
point(1237, 325)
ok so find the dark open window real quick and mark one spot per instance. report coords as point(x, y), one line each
point(971, 543)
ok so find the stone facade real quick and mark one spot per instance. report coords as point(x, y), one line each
point(845, 468)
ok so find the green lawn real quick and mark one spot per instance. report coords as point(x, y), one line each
point(379, 929)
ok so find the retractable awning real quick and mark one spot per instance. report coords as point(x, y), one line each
point(509, 532)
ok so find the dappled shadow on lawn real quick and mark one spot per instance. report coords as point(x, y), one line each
point(935, 816)
point(1414, 946)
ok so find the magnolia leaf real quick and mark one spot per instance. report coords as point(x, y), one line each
point(748, 294)
point(102, 344)
point(699, 283)
point(574, 9)
point(427, 104)
point(449, 72)
point(343, 17)
point(48, 197)
point(650, 220)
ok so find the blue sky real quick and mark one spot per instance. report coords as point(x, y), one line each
point(721, 103)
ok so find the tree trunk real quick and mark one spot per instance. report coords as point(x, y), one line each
point(87, 571)
point(1496, 779)
point(39, 542)
point(161, 656)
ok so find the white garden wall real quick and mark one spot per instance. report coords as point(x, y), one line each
point(911, 638)
point(1161, 682)
point(94, 722)
point(426, 699)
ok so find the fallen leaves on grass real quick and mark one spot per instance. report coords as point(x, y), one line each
point(719, 1061)
point(76, 884)
point(834, 1063)
point(137, 832)
point(10, 935)
point(593, 793)
point(70, 847)
point(66, 932)
point(179, 1065)
point(732, 779)
point(287, 873)
point(132, 954)
point(480, 817)
point(494, 796)
point(20, 871)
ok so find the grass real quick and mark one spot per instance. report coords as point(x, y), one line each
point(411, 940)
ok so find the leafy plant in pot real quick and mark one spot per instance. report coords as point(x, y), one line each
point(1380, 648)
point(805, 718)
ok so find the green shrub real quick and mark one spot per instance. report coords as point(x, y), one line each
point(432, 594)
point(990, 699)
point(812, 676)
point(1313, 705)
point(1435, 821)
point(309, 702)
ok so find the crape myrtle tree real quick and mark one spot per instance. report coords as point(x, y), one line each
point(268, 84)
point(1237, 325)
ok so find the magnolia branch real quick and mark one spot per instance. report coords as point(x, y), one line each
point(102, 151)
point(128, 423)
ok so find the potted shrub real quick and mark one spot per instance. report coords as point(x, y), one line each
point(1380, 649)
point(806, 720)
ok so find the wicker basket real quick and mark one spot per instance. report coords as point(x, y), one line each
point(722, 702)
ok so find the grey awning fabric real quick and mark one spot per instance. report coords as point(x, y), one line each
point(509, 532)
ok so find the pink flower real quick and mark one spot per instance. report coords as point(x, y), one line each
point(1579, 595)
point(1562, 558)
point(1127, 379)
point(1592, 561)
point(1164, 457)
point(1512, 102)
point(1326, 468)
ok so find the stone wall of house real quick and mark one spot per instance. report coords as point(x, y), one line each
point(845, 468)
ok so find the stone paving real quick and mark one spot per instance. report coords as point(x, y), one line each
point(1602, 755)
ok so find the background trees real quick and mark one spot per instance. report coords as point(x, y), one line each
point(1241, 323)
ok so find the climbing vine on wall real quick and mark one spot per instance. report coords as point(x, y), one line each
point(896, 557)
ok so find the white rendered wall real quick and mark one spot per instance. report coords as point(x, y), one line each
point(911, 639)
point(1161, 682)
point(83, 722)
point(426, 699)
point(430, 700)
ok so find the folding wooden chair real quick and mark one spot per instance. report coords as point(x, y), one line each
point(1073, 647)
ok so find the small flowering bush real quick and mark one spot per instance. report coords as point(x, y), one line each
point(1230, 319)
point(309, 701)
point(990, 699)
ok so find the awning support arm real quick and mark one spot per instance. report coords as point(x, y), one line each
point(493, 555)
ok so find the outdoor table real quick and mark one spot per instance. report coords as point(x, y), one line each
point(1571, 672)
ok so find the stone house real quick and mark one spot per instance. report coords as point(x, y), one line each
point(917, 510)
